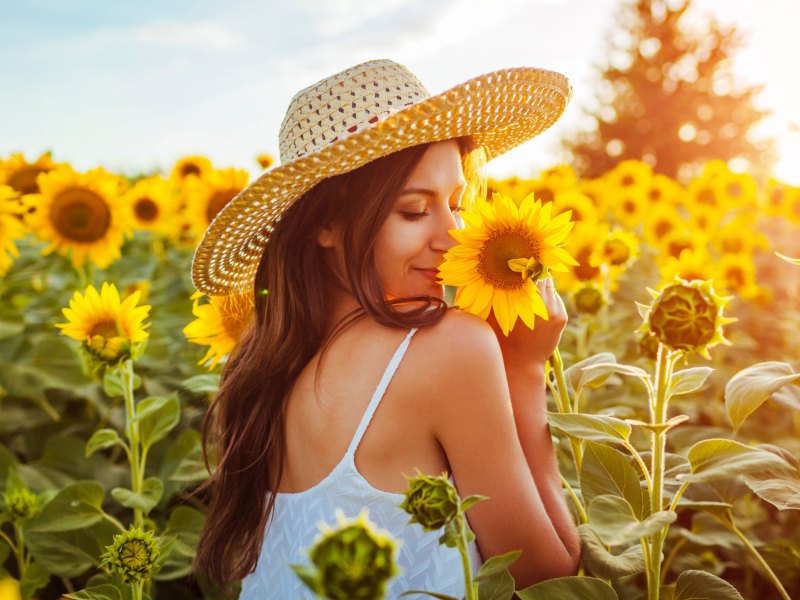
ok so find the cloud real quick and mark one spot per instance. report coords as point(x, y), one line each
point(197, 34)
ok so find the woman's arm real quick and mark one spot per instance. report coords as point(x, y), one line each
point(528, 400)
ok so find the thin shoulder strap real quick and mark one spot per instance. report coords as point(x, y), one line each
point(379, 392)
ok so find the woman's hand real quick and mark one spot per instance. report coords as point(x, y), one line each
point(524, 347)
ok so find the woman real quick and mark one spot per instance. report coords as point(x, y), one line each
point(327, 401)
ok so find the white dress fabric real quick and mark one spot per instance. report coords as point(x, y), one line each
point(293, 527)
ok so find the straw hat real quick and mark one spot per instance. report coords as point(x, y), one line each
point(353, 117)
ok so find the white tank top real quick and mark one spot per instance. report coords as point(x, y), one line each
point(293, 527)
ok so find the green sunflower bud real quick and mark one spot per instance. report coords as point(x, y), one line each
point(21, 503)
point(110, 350)
point(686, 316)
point(133, 554)
point(353, 561)
point(431, 501)
point(588, 299)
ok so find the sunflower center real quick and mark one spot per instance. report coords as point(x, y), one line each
point(654, 194)
point(706, 196)
point(189, 169)
point(218, 202)
point(134, 555)
point(734, 277)
point(544, 193)
point(145, 209)
point(584, 271)
point(733, 245)
point(106, 329)
point(24, 180)
point(80, 215)
point(629, 206)
point(626, 181)
point(617, 252)
point(504, 245)
point(662, 228)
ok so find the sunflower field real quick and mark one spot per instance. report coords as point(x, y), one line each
point(674, 399)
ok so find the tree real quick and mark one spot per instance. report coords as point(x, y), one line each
point(668, 96)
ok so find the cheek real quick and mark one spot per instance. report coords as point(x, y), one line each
point(395, 248)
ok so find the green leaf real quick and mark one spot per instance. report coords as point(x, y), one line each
point(152, 490)
point(202, 384)
point(699, 585)
point(431, 594)
point(498, 587)
point(99, 592)
point(157, 416)
point(596, 557)
point(569, 588)
point(579, 377)
point(597, 428)
point(688, 380)
point(184, 527)
point(101, 439)
point(113, 384)
point(608, 471)
point(711, 529)
point(36, 577)
point(783, 494)
point(750, 388)
point(719, 510)
point(612, 518)
point(497, 564)
point(606, 369)
point(471, 501)
point(720, 458)
point(70, 553)
point(76, 506)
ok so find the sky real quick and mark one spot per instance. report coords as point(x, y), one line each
point(133, 86)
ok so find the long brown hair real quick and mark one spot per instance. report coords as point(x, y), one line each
point(245, 423)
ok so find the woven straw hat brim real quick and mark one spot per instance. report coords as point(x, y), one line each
point(501, 110)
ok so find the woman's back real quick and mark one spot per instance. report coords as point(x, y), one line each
point(348, 446)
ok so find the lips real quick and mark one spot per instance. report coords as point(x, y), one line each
point(432, 273)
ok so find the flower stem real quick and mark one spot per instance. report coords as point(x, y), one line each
point(136, 588)
point(575, 501)
point(20, 551)
point(658, 414)
point(472, 593)
point(760, 559)
point(132, 432)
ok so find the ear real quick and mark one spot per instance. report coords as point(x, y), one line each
point(329, 236)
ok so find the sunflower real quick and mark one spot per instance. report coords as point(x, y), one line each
point(662, 190)
point(583, 243)
point(629, 205)
point(739, 236)
point(597, 191)
point(190, 166)
point(154, 205)
point(736, 273)
point(676, 242)
point(109, 330)
point(661, 221)
point(11, 226)
point(514, 186)
point(81, 214)
point(583, 209)
point(791, 205)
point(265, 161)
point(207, 195)
point(21, 174)
point(772, 196)
point(618, 250)
point(219, 324)
point(630, 174)
point(691, 265)
point(501, 254)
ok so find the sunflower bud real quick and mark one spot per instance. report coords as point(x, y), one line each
point(431, 501)
point(133, 554)
point(648, 345)
point(110, 350)
point(588, 299)
point(686, 316)
point(354, 560)
point(21, 503)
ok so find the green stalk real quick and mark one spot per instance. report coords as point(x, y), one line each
point(472, 588)
point(760, 560)
point(575, 501)
point(20, 551)
point(658, 414)
point(136, 588)
point(132, 431)
point(561, 396)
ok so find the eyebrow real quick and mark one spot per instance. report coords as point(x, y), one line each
point(431, 193)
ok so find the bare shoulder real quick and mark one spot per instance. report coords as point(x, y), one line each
point(460, 339)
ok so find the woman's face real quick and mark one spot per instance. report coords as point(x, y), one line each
point(411, 243)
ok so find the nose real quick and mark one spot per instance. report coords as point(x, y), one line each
point(442, 241)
